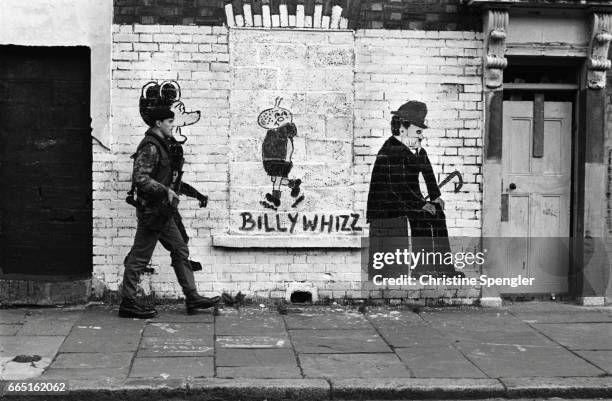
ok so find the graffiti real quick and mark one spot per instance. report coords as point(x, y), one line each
point(395, 197)
point(458, 185)
point(277, 152)
point(167, 95)
point(291, 222)
point(156, 185)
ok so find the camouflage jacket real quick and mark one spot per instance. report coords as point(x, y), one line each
point(152, 173)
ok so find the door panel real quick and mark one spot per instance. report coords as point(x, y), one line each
point(538, 190)
point(45, 162)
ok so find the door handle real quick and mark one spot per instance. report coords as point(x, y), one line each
point(512, 186)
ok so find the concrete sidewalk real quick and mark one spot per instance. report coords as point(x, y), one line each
point(315, 353)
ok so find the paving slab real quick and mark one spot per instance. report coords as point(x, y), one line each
point(231, 357)
point(13, 316)
point(89, 360)
point(422, 335)
point(398, 316)
point(263, 325)
point(414, 388)
point(602, 359)
point(337, 341)
point(107, 314)
point(257, 363)
point(98, 314)
point(580, 336)
point(86, 374)
point(552, 307)
point(104, 336)
point(476, 318)
point(175, 346)
point(565, 317)
point(276, 341)
point(503, 360)
point(527, 338)
point(10, 346)
point(353, 365)
point(9, 329)
point(259, 389)
point(178, 314)
point(50, 322)
point(435, 361)
point(173, 367)
point(343, 321)
point(566, 387)
point(484, 326)
point(182, 330)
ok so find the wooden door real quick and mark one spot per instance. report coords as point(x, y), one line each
point(45, 162)
point(536, 196)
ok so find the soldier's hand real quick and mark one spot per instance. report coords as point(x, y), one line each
point(430, 208)
point(172, 197)
point(203, 200)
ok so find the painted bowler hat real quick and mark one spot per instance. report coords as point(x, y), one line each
point(414, 112)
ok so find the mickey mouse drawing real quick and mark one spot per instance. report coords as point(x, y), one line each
point(166, 95)
point(277, 151)
point(156, 186)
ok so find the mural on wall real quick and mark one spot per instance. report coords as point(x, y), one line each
point(277, 152)
point(395, 198)
point(166, 95)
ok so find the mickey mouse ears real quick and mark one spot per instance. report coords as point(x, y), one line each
point(168, 90)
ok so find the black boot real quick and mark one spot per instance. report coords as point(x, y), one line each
point(196, 301)
point(130, 308)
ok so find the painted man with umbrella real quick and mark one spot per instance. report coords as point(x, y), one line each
point(395, 197)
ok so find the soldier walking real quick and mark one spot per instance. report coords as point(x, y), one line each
point(156, 181)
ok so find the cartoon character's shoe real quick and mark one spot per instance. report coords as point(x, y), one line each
point(273, 200)
point(295, 187)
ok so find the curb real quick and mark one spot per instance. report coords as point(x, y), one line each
point(569, 387)
point(334, 389)
point(415, 388)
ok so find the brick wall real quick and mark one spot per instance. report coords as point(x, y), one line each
point(429, 15)
point(366, 76)
point(388, 14)
point(169, 12)
point(198, 58)
point(313, 73)
point(442, 69)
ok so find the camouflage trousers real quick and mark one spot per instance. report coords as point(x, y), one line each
point(139, 257)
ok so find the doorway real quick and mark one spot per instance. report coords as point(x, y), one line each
point(45, 163)
point(536, 193)
point(535, 185)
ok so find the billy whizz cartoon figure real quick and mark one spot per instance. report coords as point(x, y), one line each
point(276, 152)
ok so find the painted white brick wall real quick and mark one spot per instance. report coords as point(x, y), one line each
point(389, 68)
point(442, 69)
point(313, 73)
